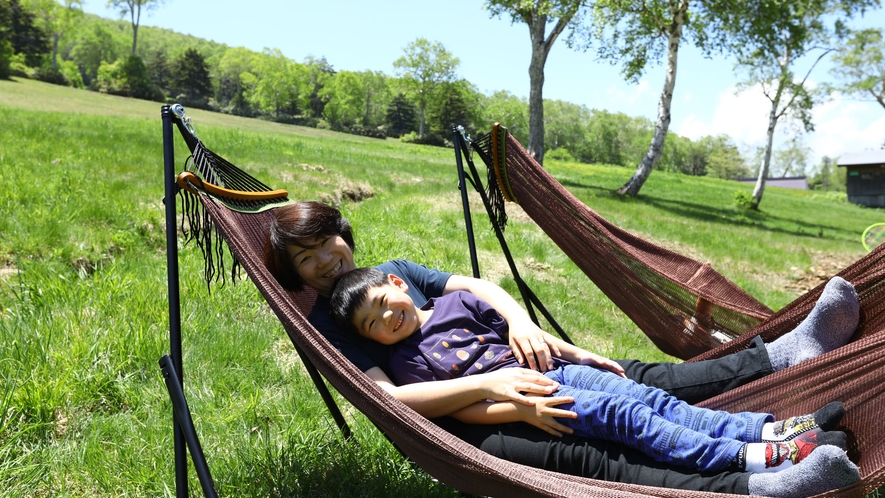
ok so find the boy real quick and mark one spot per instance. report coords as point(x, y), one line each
point(458, 335)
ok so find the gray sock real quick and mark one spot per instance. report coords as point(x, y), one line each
point(829, 326)
point(825, 469)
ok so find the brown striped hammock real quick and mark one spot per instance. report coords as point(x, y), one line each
point(851, 374)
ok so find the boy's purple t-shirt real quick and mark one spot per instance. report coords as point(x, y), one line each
point(463, 336)
point(364, 353)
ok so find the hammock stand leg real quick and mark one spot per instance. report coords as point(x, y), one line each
point(183, 416)
point(325, 394)
point(528, 296)
point(174, 297)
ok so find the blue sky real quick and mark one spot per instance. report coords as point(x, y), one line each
point(358, 35)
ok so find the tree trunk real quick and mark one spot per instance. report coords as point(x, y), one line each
point(135, 16)
point(540, 49)
point(368, 99)
point(879, 97)
point(421, 120)
point(663, 122)
point(55, 38)
point(766, 158)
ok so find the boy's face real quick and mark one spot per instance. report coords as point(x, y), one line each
point(388, 315)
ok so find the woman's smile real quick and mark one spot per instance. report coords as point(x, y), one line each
point(334, 271)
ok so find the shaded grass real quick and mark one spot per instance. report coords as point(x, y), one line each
point(83, 307)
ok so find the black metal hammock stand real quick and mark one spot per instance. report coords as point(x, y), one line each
point(227, 184)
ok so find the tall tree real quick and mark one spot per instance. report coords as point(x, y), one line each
point(190, 76)
point(636, 32)
point(769, 42)
point(860, 65)
point(273, 83)
point(6, 50)
point(724, 160)
point(93, 45)
point(424, 66)
point(134, 8)
point(566, 125)
point(343, 94)
point(400, 116)
point(24, 35)
point(233, 64)
point(55, 19)
point(458, 105)
point(537, 14)
point(509, 110)
point(792, 159)
point(319, 71)
point(375, 91)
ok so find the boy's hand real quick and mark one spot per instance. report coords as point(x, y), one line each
point(512, 384)
point(543, 415)
point(528, 344)
point(594, 360)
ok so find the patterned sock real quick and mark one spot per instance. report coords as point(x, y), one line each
point(779, 456)
point(829, 326)
point(826, 418)
point(826, 469)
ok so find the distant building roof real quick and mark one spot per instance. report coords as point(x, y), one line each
point(799, 182)
point(863, 158)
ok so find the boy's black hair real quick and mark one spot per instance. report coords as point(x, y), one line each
point(350, 292)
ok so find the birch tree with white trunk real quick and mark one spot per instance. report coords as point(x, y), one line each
point(635, 33)
point(537, 15)
point(771, 43)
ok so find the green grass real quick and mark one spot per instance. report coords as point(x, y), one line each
point(83, 311)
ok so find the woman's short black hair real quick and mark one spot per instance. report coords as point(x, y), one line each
point(300, 224)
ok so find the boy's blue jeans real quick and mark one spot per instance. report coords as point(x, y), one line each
point(650, 420)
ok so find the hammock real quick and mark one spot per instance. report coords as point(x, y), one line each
point(684, 305)
point(460, 465)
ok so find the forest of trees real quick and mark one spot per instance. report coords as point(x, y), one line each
point(55, 41)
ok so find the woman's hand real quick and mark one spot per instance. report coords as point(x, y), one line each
point(513, 384)
point(594, 360)
point(529, 344)
point(526, 339)
point(543, 414)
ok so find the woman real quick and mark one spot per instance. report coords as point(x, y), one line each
point(311, 244)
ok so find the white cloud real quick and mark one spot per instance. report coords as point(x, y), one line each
point(630, 95)
point(742, 116)
point(843, 125)
point(840, 125)
point(693, 127)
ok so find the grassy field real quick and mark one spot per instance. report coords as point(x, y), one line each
point(83, 310)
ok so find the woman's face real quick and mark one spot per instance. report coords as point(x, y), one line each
point(320, 266)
